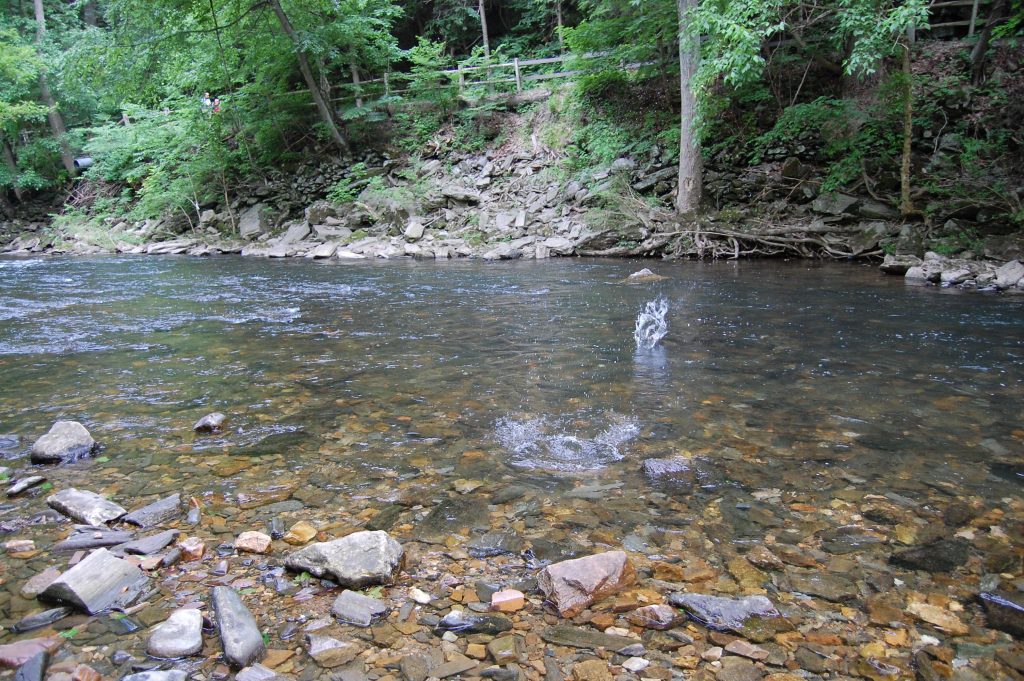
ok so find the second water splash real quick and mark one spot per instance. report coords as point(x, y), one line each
point(651, 325)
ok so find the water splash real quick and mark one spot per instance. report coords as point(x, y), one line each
point(651, 325)
point(547, 443)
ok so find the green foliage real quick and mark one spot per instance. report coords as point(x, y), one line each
point(876, 30)
point(966, 239)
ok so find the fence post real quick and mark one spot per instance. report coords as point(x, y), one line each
point(519, 76)
point(356, 88)
point(462, 79)
point(387, 85)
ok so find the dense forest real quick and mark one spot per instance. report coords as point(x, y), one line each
point(174, 106)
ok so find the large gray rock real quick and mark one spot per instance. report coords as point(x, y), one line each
point(834, 204)
point(67, 441)
point(180, 635)
point(252, 223)
point(239, 633)
point(899, 264)
point(318, 212)
point(361, 559)
point(1009, 275)
point(85, 506)
point(99, 582)
point(296, 233)
point(354, 608)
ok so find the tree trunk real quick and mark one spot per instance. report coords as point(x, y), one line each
point(906, 206)
point(12, 165)
point(690, 163)
point(558, 21)
point(307, 74)
point(980, 50)
point(483, 30)
point(89, 13)
point(52, 113)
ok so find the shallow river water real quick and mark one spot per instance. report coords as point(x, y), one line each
point(786, 397)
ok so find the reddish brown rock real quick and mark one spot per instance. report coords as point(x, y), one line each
point(18, 653)
point(572, 585)
point(192, 548)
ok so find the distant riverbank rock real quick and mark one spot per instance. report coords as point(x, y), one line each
point(67, 441)
point(935, 268)
point(359, 560)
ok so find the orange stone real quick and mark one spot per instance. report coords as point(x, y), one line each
point(192, 548)
point(253, 542)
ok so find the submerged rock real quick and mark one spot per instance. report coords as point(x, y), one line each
point(18, 653)
point(40, 619)
point(67, 441)
point(359, 560)
point(944, 555)
point(462, 622)
point(495, 544)
point(34, 669)
point(180, 635)
point(24, 483)
point(239, 634)
point(1004, 611)
point(578, 637)
point(99, 582)
point(157, 675)
point(572, 585)
point(85, 506)
point(722, 613)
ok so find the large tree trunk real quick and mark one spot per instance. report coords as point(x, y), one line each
point(691, 167)
point(12, 165)
point(307, 74)
point(52, 113)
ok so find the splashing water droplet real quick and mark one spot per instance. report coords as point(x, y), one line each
point(651, 325)
point(549, 443)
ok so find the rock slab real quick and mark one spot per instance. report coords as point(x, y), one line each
point(99, 582)
point(572, 585)
point(67, 441)
point(720, 612)
point(180, 635)
point(239, 633)
point(84, 506)
point(359, 560)
point(168, 508)
point(354, 608)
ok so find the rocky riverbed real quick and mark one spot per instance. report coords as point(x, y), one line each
point(502, 581)
point(388, 472)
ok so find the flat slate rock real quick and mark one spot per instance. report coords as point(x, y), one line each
point(99, 582)
point(90, 537)
point(827, 585)
point(39, 620)
point(85, 506)
point(354, 608)
point(577, 637)
point(239, 633)
point(358, 560)
point(722, 613)
point(1004, 611)
point(162, 511)
point(25, 483)
point(451, 515)
point(147, 546)
point(462, 622)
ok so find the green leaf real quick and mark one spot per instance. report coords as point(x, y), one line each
point(70, 633)
point(46, 486)
point(102, 459)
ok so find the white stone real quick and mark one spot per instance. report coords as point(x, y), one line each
point(180, 635)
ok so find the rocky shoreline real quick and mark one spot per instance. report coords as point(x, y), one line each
point(870, 586)
point(515, 204)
